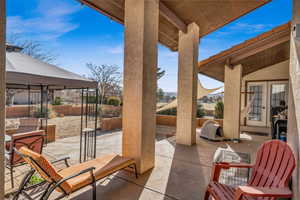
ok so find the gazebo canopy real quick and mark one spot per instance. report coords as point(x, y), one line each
point(209, 15)
point(256, 53)
point(23, 71)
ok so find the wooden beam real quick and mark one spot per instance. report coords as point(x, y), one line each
point(244, 52)
point(102, 11)
point(119, 7)
point(235, 60)
point(172, 17)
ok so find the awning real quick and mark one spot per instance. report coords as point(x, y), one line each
point(23, 71)
point(201, 92)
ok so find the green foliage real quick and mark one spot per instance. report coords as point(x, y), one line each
point(219, 110)
point(160, 94)
point(172, 111)
point(113, 101)
point(91, 99)
point(39, 114)
point(35, 180)
point(200, 111)
point(57, 101)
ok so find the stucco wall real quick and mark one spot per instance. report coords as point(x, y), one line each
point(279, 71)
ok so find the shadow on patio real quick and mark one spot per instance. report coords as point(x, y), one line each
point(180, 172)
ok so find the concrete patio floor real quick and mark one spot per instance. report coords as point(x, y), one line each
point(181, 172)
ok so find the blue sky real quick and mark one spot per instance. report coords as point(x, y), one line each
point(78, 34)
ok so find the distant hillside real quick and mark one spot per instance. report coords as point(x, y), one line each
point(171, 94)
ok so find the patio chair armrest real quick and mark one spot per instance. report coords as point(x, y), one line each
point(262, 192)
point(225, 165)
point(217, 167)
point(65, 159)
point(90, 169)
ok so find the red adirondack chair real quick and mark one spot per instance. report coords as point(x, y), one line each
point(271, 173)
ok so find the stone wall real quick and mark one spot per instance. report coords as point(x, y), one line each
point(108, 124)
point(114, 123)
point(67, 110)
point(169, 120)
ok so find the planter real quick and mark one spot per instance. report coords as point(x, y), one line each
point(51, 129)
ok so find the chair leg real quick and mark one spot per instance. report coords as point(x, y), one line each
point(12, 177)
point(207, 194)
point(47, 195)
point(94, 190)
point(23, 184)
point(135, 171)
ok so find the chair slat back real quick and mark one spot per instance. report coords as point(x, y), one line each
point(43, 167)
point(40, 164)
point(32, 140)
point(274, 165)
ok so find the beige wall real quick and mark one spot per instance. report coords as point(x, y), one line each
point(279, 71)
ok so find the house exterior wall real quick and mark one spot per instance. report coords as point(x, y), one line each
point(279, 71)
point(293, 135)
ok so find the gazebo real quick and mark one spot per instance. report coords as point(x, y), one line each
point(23, 71)
point(27, 73)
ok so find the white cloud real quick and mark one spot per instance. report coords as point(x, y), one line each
point(250, 28)
point(116, 50)
point(50, 21)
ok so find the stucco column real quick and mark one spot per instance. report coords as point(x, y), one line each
point(187, 85)
point(2, 93)
point(293, 133)
point(139, 122)
point(232, 101)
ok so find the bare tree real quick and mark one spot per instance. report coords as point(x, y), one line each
point(160, 73)
point(108, 78)
point(33, 48)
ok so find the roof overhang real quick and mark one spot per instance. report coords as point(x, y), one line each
point(175, 15)
point(262, 51)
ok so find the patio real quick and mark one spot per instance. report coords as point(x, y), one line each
point(170, 168)
point(177, 166)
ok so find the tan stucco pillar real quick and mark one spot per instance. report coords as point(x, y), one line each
point(139, 124)
point(232, 101)
point(187, 85)
point(293, 135)
point(2, 93)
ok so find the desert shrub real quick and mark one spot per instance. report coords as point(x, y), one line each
point(91, 99)
point(35, 179)
point(110, 112)
point(39, 114)
point(113, 101)
point(200, 111)
point(219, 110)
point(57, 101)
point(172, 111)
